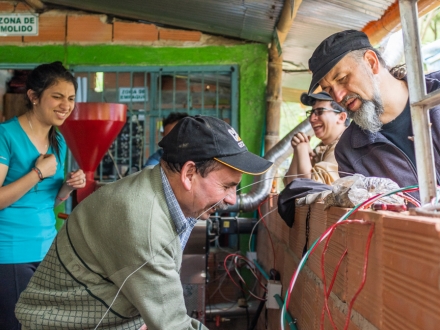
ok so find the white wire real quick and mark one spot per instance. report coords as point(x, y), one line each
point(224, 276)
point(120, 288)
point(290, 176)
point(146, 262)
point(255, 226)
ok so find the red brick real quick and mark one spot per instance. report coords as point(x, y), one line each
point(23, 8)
point(11, 40)
point(88, 28)
point(9, 7)
point(179, 35)
point(297, 235)
point(6, 7)
point(51, 28)
point(124, 31)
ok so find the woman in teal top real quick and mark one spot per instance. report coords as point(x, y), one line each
point(32, 155)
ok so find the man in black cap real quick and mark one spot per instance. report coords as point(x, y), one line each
point(115, 263)
point(328, 120)
point(379, 140)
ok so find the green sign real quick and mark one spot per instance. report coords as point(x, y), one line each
point(18, 25)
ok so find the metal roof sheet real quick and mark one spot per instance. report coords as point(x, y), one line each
point(245, 19)
point(253, 20)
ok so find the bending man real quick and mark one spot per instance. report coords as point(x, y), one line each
point(116, 261)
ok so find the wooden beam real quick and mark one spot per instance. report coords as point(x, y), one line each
point(390, 20)
point(292, 95)
point(275, 73)
point(287, 16)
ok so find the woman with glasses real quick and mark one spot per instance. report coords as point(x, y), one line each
point(328, 120)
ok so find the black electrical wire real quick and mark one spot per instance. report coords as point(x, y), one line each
point(258, 312)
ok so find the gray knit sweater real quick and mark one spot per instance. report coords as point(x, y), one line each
point(120, 237)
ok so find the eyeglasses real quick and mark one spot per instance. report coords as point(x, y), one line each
point(319, 111)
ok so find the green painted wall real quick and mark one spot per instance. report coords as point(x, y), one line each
point(251, 58)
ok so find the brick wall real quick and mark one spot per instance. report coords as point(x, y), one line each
point(71, 27)
point(403, 274)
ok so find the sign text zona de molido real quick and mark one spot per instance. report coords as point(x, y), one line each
point(18, 25)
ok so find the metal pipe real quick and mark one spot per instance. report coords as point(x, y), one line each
point(417, 92)
point(225, 310)
point(263, 183)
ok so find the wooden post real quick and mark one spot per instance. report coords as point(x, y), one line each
point(273, 98)
point(275, 73)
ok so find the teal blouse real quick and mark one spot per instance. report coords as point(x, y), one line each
point(27, 227)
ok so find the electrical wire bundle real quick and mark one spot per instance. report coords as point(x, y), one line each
point(240, 261)
point(326, 235)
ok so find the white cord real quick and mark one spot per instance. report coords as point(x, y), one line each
point(255, 226)
point(146, 262)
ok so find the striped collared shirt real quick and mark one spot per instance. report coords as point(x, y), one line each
point(184, 226)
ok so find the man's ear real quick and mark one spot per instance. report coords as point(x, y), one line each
point(342, 117)
point(372, 61)
point(187, 173)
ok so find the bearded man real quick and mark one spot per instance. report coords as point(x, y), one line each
point(379, 141)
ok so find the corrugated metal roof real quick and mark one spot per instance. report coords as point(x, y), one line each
point(245, 19)
point(252, 20)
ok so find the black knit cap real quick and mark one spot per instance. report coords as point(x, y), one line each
point(332, 50)
point(202, 138)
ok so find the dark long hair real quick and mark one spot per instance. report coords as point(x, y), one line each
point(40, 79)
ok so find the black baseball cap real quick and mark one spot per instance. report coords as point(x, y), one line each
point(310, 100)
point(332, 50)
point(199, 138)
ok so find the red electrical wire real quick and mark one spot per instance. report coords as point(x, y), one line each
point(327, 292)
point(364, 277)
point(251, 266)
point(265, 225)
point(232, 279)
point(410, 199)
point(363, 205)
point(366, 204)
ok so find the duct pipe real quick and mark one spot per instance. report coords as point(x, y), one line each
point(225, 310)
point(262, 183)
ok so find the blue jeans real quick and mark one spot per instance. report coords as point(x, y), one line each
point(14, 278)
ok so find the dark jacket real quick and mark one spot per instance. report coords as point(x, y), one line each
point(372, 154)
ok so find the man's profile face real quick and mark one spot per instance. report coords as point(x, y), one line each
point(352, 84)
point(219, 186)
point(348, 83)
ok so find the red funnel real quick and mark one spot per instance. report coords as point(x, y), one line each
point(89, 131)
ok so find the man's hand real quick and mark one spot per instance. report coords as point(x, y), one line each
point(300, 141)
point(299, 138)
